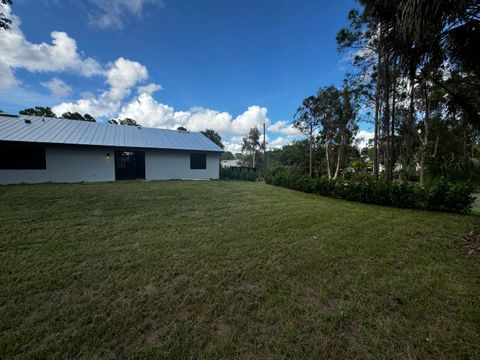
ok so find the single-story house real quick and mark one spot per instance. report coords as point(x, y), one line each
point(41, 149)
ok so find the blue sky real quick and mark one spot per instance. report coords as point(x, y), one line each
point(226, 65)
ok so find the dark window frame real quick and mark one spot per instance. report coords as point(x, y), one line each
point(198, 161)
point(22, 156)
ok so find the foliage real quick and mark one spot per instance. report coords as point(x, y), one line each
point(227, 155)
point(38, 111)
point(214, 136)
point(414, 63)
point(237, 173)
point(251, 145)
point(181, 128)
point(443, 196)
point(78, 116)
point(126, 121)
point(4, 21)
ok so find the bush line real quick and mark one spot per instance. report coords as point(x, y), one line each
point(442, 196)
point(237, 173)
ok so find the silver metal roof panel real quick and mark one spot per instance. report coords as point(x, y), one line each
point(75, 132)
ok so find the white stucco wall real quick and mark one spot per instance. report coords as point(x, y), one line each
point(167, 164)
point(67, 164)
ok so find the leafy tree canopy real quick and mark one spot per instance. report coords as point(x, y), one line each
point(38, 111)
point(4, 21)
point(227, 155)
point(214, 136)
point(78, 116)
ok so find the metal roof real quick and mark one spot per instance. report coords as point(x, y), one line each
point(63, 131)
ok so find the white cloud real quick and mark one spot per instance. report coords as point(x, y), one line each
point(150, 112)
point(283, 127)
point(279, 142)
point(61, 55)
point(149, 88)
point(57, 87)
point(233, 147)
point(255, 116)
point(7, 79)
point(362, 137)
point(114, 13)
point(121, 75)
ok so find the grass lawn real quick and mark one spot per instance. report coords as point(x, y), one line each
point(230, 270)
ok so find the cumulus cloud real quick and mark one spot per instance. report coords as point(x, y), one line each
point(150, 112)
point(149, 88)
point(121, 75)
point(114, 13)
point(57, 87)
point(283, 127)
point(279, 142)
point(7, 79)
point(362, 138)
point(60, 55)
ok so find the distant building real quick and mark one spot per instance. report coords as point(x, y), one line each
point(232, 163)
point(37, 149)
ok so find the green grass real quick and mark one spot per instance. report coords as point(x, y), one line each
point(230, 270)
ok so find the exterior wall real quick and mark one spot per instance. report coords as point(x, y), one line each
point(67, 164)
point(167, 164)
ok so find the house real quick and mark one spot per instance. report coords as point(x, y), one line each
point(41, 149)
point(231, 163)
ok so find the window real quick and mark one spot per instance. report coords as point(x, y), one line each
point(198, 161)
point(22, 157)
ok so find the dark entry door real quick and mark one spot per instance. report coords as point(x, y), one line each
point(129, 165)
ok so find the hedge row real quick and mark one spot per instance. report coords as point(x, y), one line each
point(442, 196)
point(238, 173)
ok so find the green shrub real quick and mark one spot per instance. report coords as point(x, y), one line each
point(237, 173)
point(442, 196)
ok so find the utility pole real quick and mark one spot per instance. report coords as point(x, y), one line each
point(264, 153)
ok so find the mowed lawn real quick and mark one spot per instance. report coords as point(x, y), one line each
point(230, 270)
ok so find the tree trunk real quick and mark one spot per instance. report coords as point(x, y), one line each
point(311, 150)
point(327, 158)
point(392, 131)
point(424, 149)
point(386, 120)
point(377, 110)
point(253, 159)
point(409, 151)
point(341, 151)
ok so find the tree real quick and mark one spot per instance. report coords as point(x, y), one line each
point(307, 120)
point(89, 117)
point(424, 34)
point(78, 116)
point(126, 121)
point(181, 128)
point(38, 111)
point(4, 21)
point(251, 144)
point(214, 136)
point(227, 155)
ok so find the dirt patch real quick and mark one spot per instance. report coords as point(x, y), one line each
point(152, 338)
point(473, 242)
point(222, 328)
point(149, 289)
